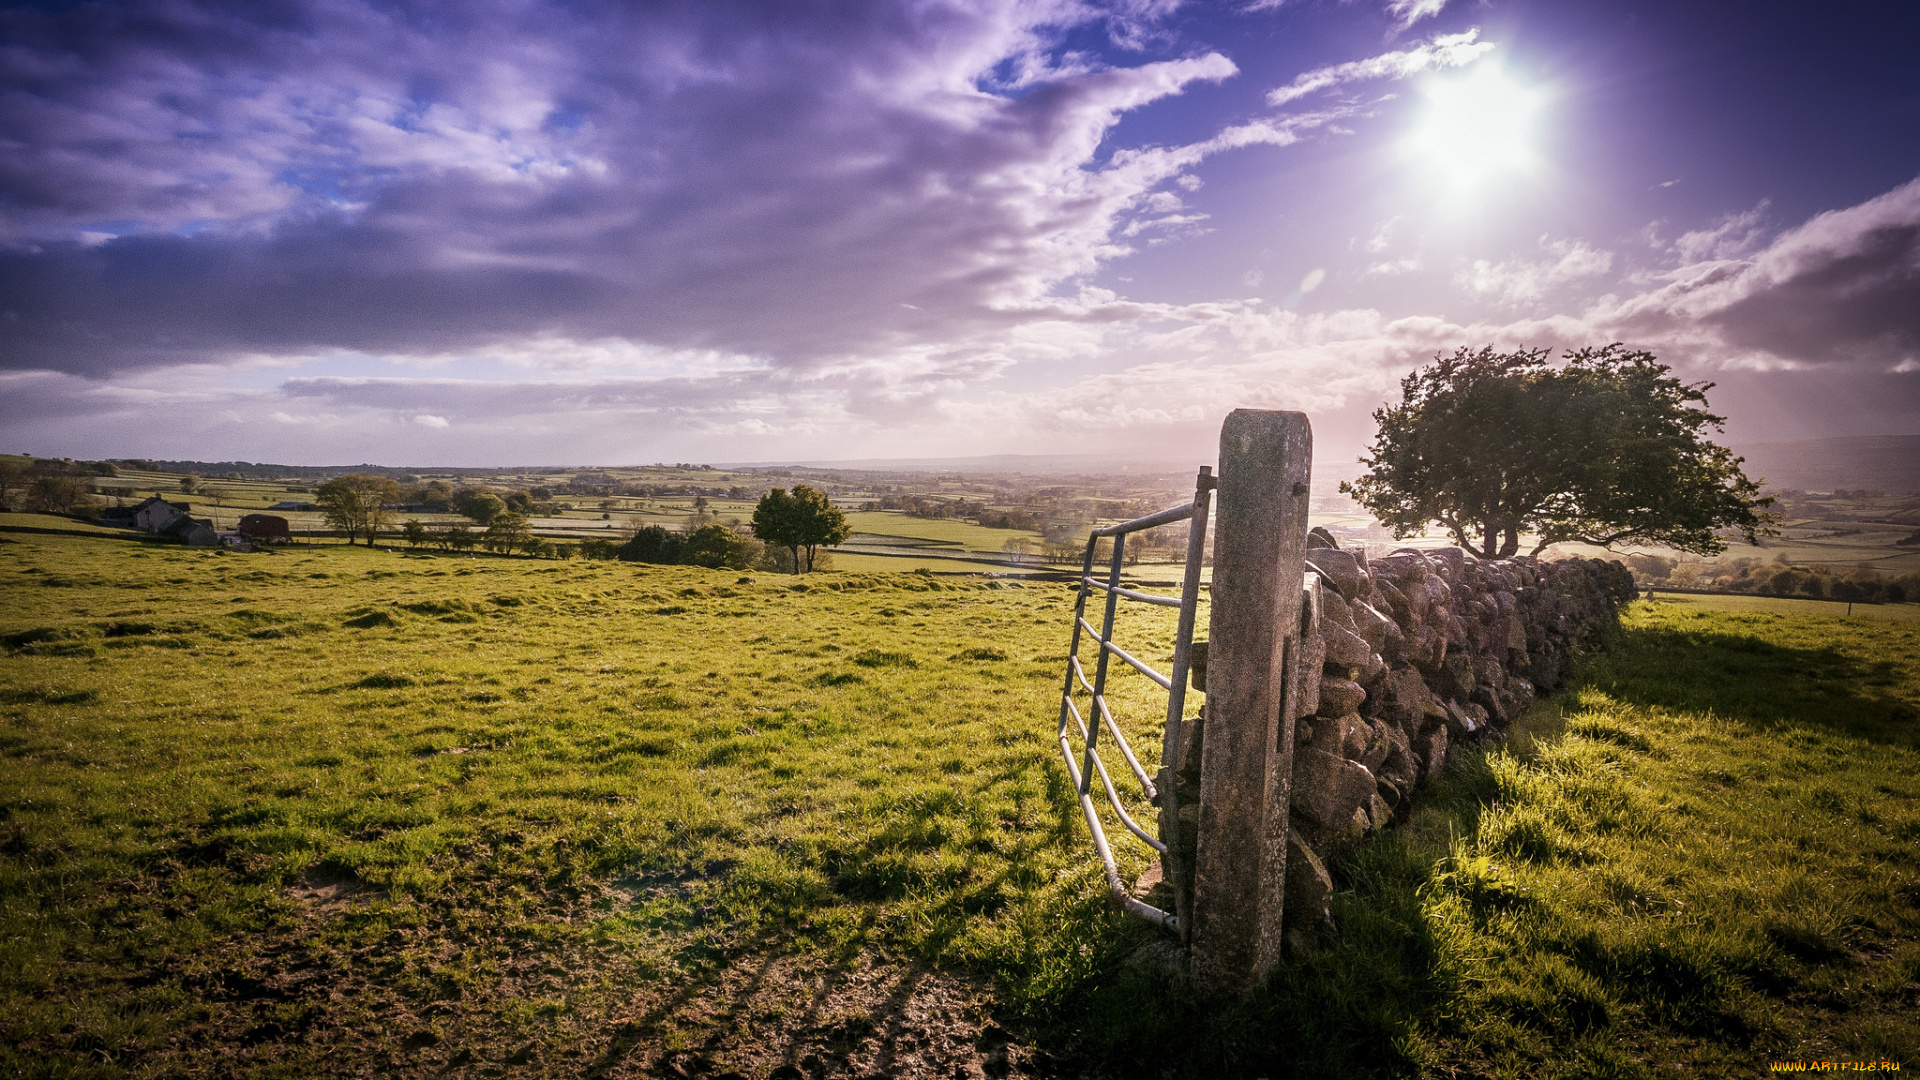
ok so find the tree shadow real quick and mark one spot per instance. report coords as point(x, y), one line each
point(1744, 679)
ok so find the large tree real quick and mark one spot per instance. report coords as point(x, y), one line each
point(357, 504)
point(804, 520)
point(1608, 448)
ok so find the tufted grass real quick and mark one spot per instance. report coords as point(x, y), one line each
point(471, 760)
point(316, 811)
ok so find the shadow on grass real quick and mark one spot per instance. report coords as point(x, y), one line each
point(1742, 678)
point(1354, 1005)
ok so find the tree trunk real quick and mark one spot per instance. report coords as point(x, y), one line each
point(1512, 543)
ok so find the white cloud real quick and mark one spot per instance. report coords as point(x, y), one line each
point(432, 421)
point(1522, 281)
point(1444, 51)
point(1394, 267)
point(1409, 12)
point(1734, 236)
point(1382, 234)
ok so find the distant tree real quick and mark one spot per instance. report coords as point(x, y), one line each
point(1019, 549)
point(417, 534)
point(652, 544)
point(519, 502)
point(437, 496)
point(1607, 449)
point(540, 494)
point(506, 533)
point(481, 506)
point(189, 484)
point(802, 521)
point(717, 547)
point(455, 536)
point(356, 504)
point(57, 488)
point(12, 478)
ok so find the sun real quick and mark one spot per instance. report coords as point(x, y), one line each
point(1477, 126)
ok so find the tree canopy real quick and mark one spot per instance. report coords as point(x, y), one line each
point(356, 504)
point(481, 506)
point(1609, 448)
point(804, 520)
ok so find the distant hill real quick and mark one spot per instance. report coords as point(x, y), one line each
point(1889, 463)
point(994, 464)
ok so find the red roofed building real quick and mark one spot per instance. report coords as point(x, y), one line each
point(270, 528)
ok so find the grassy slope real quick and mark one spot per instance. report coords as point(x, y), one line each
point(633, 772)
point(260, 811)
point(1709, 860)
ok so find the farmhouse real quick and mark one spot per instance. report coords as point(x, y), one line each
point(156, 514)
point(271, 528)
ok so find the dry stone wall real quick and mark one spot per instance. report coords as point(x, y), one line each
point(1404, 659)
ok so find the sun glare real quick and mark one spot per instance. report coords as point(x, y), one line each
point(1477, 126)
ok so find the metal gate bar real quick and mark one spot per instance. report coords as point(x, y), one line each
point(1082, 773)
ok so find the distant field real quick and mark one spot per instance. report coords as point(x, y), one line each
point(56, 523)
point(964, 535)
point(334, 811)
point(1817, 609)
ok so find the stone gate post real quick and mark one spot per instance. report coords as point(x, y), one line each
point(1246, 756)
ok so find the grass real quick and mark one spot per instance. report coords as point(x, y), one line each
point(336, 809)
point(659, 768)
point(1706, 858)
point(944, 532)
point(1731, 603)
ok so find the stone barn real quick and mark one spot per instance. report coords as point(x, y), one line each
point(194, 532)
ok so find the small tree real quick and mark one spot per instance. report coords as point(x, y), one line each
point(57, 488)
point(652, 544)
point(356, 504)
point(1019, 550)
point(481, 506)
point(507, 533)
point(717, 547)
point(802, 521)
point(11, 478)
point(455, 536)
point(1607, 449)
point(416, 533)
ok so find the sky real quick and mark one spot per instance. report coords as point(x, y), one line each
point(495, 232)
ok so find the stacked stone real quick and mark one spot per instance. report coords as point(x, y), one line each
point(1415, 654)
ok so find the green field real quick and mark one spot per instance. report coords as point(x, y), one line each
point(1783, 605)
point(333, 811)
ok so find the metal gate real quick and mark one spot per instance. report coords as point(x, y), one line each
point(1090, 764)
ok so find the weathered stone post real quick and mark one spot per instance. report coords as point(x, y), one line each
point(1246, 756)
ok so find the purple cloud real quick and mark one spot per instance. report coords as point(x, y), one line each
point(1842, 288)
point(796, 183)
